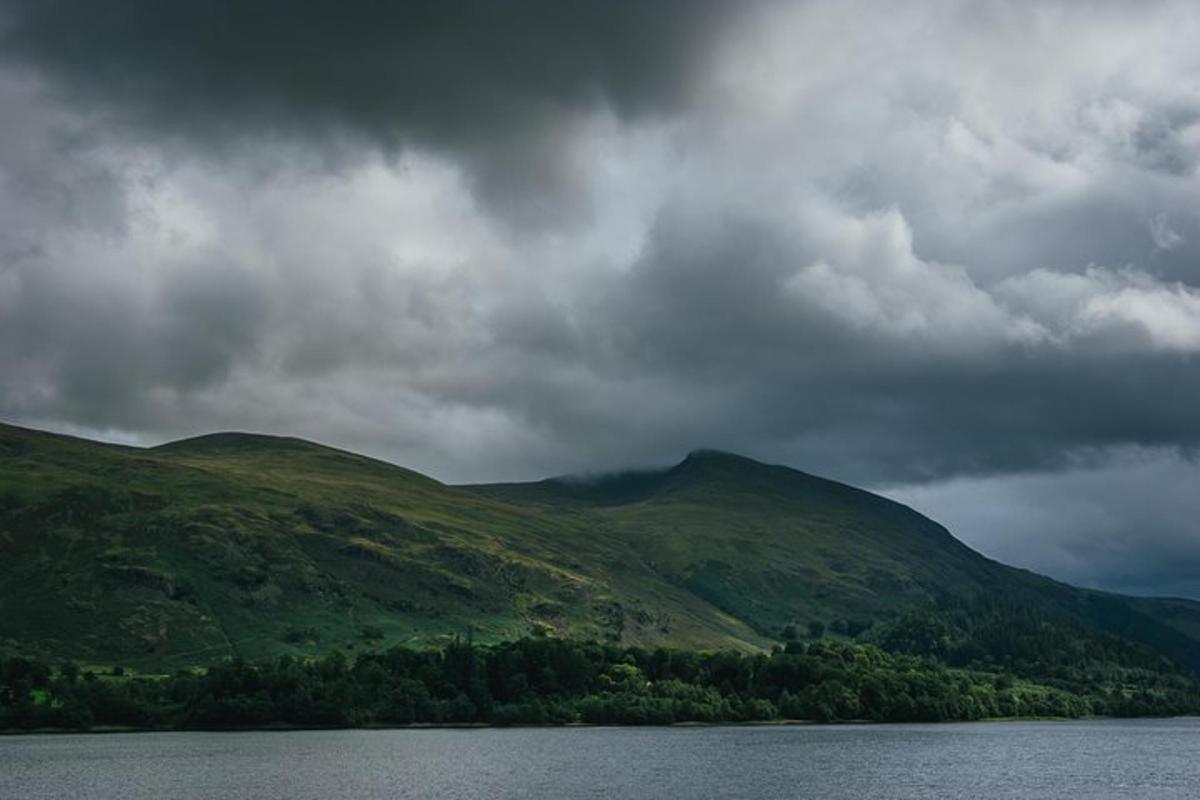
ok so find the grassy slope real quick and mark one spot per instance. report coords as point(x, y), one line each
point(770, 545)
point(259, 545)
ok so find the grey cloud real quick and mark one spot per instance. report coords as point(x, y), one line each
point(497, 85)
point(1161, 142)
point(211, 316)
point(96, 351)
point(54, 172)
point(1127, 525)
point(945, 380)
point(884, 333)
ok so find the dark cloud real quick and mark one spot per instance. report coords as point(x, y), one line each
point(1126, 526)
point(498, 85)
point(914, 373)
point(951, 251)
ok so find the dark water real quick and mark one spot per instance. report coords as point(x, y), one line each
point(1093, 760)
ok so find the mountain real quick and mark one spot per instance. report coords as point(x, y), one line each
point(239, 544)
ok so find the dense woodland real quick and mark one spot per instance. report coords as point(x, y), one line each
point(549, 681)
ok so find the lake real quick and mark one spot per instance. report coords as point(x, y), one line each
point(1093, 759)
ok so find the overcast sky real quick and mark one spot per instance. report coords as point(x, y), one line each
point(950, 251)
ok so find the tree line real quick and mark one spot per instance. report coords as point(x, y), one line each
point(553, 681)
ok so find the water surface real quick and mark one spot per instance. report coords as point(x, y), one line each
point(1097, 760)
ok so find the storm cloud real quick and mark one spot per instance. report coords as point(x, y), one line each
point(948, 250)
point(498, 87)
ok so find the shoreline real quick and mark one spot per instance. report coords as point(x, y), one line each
point(434, 726)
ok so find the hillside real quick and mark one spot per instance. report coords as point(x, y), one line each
point(235, 544)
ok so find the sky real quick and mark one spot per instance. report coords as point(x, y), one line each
point(949, 251)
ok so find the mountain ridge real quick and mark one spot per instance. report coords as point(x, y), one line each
point(242, 544)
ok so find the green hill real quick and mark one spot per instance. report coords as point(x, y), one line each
point(255, 546)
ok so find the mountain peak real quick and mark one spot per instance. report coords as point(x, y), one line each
point(261, 448)
point(728, 465)
point(234, 440)
point(712, 454)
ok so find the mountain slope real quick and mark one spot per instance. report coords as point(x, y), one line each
point(773, 545)
point(770, 545)
point(234, 544)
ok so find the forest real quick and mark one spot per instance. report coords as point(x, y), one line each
point(556, 681)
